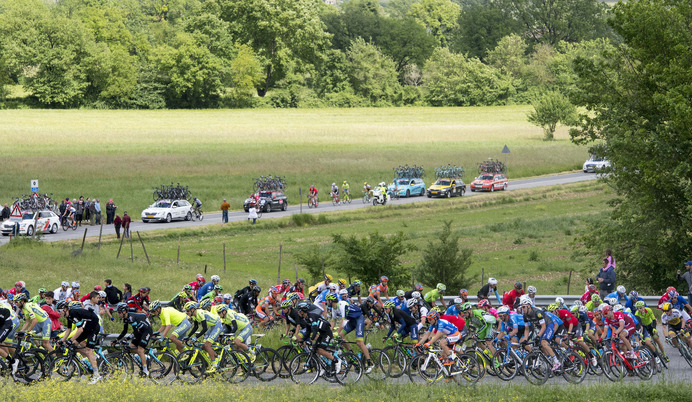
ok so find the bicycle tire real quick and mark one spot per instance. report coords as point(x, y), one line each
point(506, 366)
point(284, 354)
point(235, 366)
point(263, 367)
point(398, 361)
point(468, 364)
point(193, 367)
point(428, 370)
point(304, 368)
point(62, 368)
point(382, 366)
point(351, 369)
point(536, 368)
point(613, 366)
point(646, 370)
point(685, 351)
point(115, 366)
point(574, 368)
point(163, 369)
point(31, 367)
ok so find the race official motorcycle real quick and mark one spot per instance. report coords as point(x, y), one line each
point(378, 197)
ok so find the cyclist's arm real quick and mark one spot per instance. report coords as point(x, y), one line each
point(204, 329)
point(124, 332)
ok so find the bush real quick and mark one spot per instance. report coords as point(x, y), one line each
point(533, 256)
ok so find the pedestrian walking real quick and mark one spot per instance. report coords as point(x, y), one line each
point(117, 222)
point(110, 212)
point(224, 211)
point(252, 215)
point(126, 224)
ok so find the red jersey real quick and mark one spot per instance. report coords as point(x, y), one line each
point(512, 295)
point(664, 299)
point(457, 321)
point(567, 318)
point(195, 285)
point(586, 297)
point(620, 317)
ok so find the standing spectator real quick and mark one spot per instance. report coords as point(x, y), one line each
point(79, 210)
point(110, 212)
point(97, 211)
point(224, 211)
point(113, 294)
point(117, 222)
point(488, 290)
point(126, 224)
point(92, 212)
point(252, 215)
point(2, 213)
point(606, 279)
point(54, 316)
point(5, 213)
point(63, 207)
point(127, 291)
point(87, 211)
point(687, 276)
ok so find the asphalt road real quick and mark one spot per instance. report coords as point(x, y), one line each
point(215, 218)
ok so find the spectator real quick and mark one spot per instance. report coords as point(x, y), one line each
point(2, 213)
point(609, 257)
point(687, 276)
point(5, 213)
point(49, 308)
point(126, 224)
point(92, 212)
point(97, 211)
point(488, 290)
point(252, 215)
point(79, 210)
point(110, 212)
point(117, 222)
point(606, 279)
point(224, 211)
point(127, 291)
point(113, 294)
point(63, 207)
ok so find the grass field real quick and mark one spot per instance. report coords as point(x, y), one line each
point(527, 235)
point(217, 153)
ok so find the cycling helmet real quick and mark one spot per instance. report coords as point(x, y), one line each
point(331, 297)
point(618, 308)
point(621, 289)
point(525, 301)
point(155, 305)
point(257, 289)
point(666, 307)
point(191, 306)
point(10, 297)
point(596, 298)
point(75, 284)
point(574, 309)
point(205, 304)
point(221, 308)
point(98, 287)
point(441, 287)
point(333, 184)
point(492, 281)
point(286, 303)
point(400, 292)
point(559, 300)
point(466, 306)
point(370, 300)
point(41, 290)
point(411, 302)
point(218, 287)
point(674, 295)
point(333, 287)
point(531, 289)
point(458, 301)
point(341, 282)
point(300, 280)
point(604, 308)
point(343, 293)
point(583, 309)
point(382, 184)
point(415, 295)
point(418, 287)
point(484, 303)
point(121, 307)
point(20, 297)
point(464, 292)
point(503, 310)
point(357, 283)
point(227, 296)
point(273, 290)
point(218, 300)
point(253, 282)
point(65, 283)
point(439, 309)
point(670, 289)
point(62, 304)
point(384, 279)
point(592, 288)
point(200, 278)
point(518, 285)
point(187, 288)
point(612, 301)
point(102, 294)
point(432, 315)
point(293, 296)
point(74, 304)
point(552, 307)
point(634, 294)
point(328, 277)
point(215, 278)
point(303, 306)
point(578, 303)
point(389, 304)
point(640, 304)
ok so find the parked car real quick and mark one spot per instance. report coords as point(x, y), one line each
point(447, 188)
point(48, 222)
point(269, 201)
point(407, 187)
point(489, 182)
point(167, 210)
point(595, 164)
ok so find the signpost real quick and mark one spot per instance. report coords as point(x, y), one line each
point(34, 186)
point(505, 151)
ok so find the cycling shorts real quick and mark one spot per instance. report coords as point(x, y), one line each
point(548, 333)
point(651, 329)
point(244, 334)
point(358, 324)
point(142, 338)
point(674, 328)
point(323, 339)
point(42, 329)
point(486, 334)
point(411, 330)
point(453, 338)
point(578, 333)
point(5, 330)
point(90, 337)
point(261, 314)
point(182, 329)
point(213, 332)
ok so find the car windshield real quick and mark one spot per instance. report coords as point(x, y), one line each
point(28, 215)
point(596, 159)
point(485, 177)
point(402, 182)
point(162, 204)
point(265, 194)
point(442, 182)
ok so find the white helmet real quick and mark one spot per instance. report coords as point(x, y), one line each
point(102, 293)
point(415, 295)
point(531, 289)
point(333, 184)
point(503, 310)
point(602, 306)
point(618, 307)
point(65, 283)
point(458, 300)
point(492, 281)
point(621, 289)
point(382, 184)
point(612, 301)
point(343, 292)
point(578, 303)
point(525, 301)
point(75, 284)
point(227, 296)
point(411, 302)
point(559, 300)
point(333, 286)
point(583, 309)
point(215, 278)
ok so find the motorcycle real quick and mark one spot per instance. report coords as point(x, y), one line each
point(378, 197)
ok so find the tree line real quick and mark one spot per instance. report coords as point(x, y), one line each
point(149, 54)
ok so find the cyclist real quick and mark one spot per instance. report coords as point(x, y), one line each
point(400, 299)
point(321, 299)
point(346, 192)
point(171, 317)
point(87, 329)
point(196, 205)
point(632, 300)
point(240, 292)
point(335, 193)
point(586, 297)
point(320, 287)
point(367, 189)
point(531, 293)
point(588, 325)
point(208, 287)
point(198, 283)
point(68, 216)
point(40, 297)
point(679, 303)
point(210, 323)
point(455, 308)
point(666, 296)
point(486, 307)
point(181, 298)
point(285, 288)
point(376, 291)
point(622, 326)
point(354, 291)
point(673, 320)
point(271, 300)
point(322, 335)
point(34, 319)
point(238, 324)
point(482, 324)
point(215, 292)
point(312, 193)
point(435, 294)
point(408, 326)
point(489, 289)
point(510, 324)
point(444, 331)
point(620, 295)
point(299, 288)
point(513, 295)
point(542, 327)
point(9, 323)
point(141, 329)
point(648, 321)
point(416, 288)
point(63, 292)
point(249, 300)
point(290, 315)
point(574, 329)
point(353, 318)
point(593, 304)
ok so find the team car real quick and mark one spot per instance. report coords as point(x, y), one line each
point(48, 222)
point(445, 187)
point(269, 200)
point(489, 182)
point(167, 210)
point(407, 187)
point(595, 164)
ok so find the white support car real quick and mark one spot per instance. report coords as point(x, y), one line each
point(595, 164)
point(48, 222)
point(167, 210)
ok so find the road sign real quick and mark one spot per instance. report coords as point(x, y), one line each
point(16, 212)
point(505, 150)
point(34, 186)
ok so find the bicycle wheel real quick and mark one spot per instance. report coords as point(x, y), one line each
point(304, 368)
point(284, 354)
point(31, 367)
point(235, 366)
point(201, 216)
point(506, 366)
point(62, 368)
point(685, 351)
point(163, 368)
point(398, 361)
point(351, 369)
point(428, 369)
point(644, 367)
point(193, 366)
point(469, 367)
point(536, 368)
point(613, 366)
point(382, 365)
point(574, 368)
point(263, 367)
point(483, 362)
point(113, 367)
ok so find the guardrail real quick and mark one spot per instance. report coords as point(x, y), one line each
point(544, 300)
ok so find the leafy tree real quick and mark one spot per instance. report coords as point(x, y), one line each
point(354, 19)
point(437, 16)
point(443, 261)
point(550, 109)
point(312, 259)
point(509, 55)
point(406, 42)
point(373, 75)
point(639, 103)
point(370, 257)
point(333, 74)
point(480, 27)
point(246, 73)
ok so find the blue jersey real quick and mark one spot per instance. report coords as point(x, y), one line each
point(206, 288)
point(631, 302)
point(635, 319)
point(554, 318)
point(622, 299)
point(680, 304)
point(445, 327)
point(398, 302)
point(453, 310)
point(515, 321)
point(585, 319)
point(321, 298)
